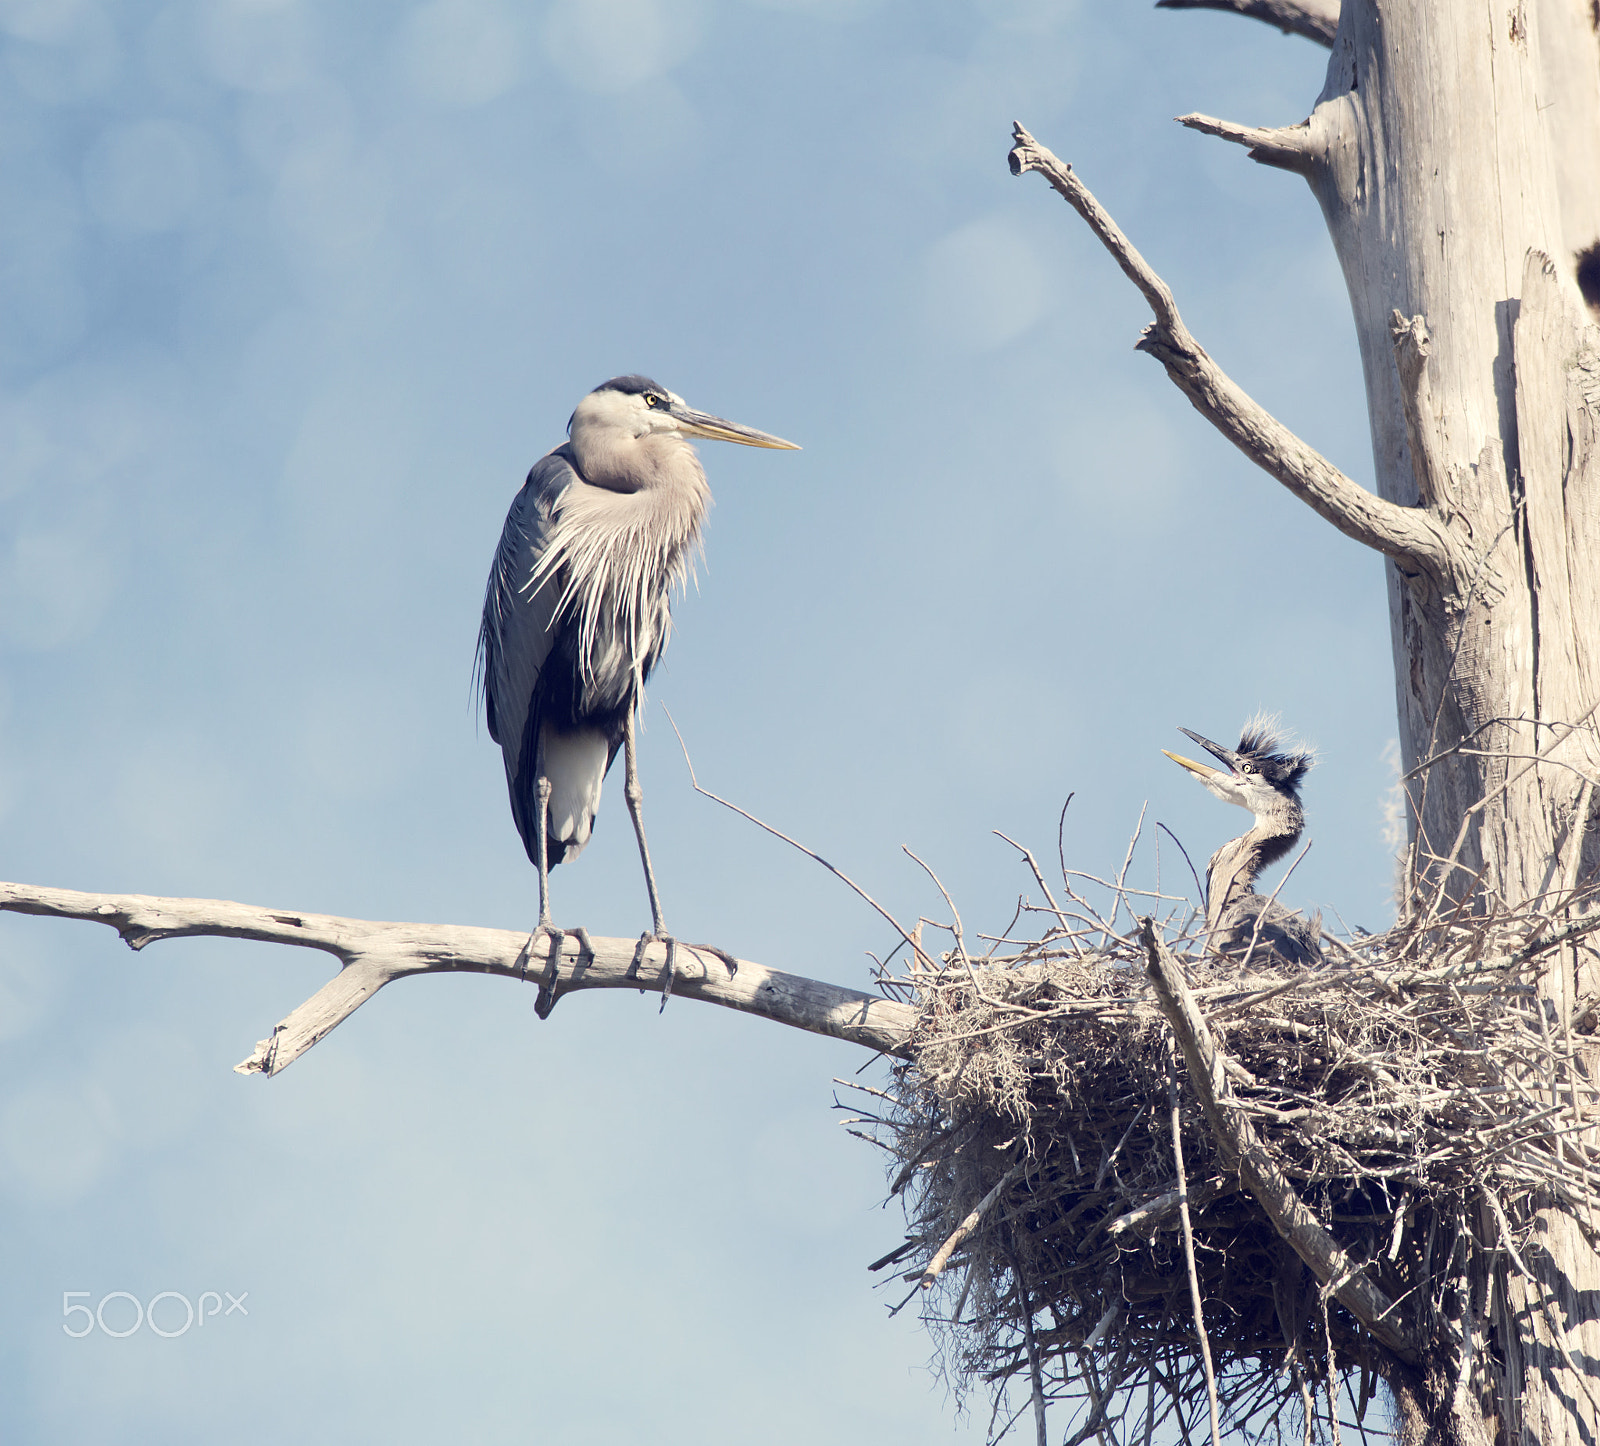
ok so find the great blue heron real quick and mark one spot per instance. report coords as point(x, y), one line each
point(577, 612)
point(1261, 775)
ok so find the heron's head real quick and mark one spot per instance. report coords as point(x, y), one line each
point(1262, 774)
point(613, 425)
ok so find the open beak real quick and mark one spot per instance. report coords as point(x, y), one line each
point(1200, 770)
point(1204, 771)
point(718, 429)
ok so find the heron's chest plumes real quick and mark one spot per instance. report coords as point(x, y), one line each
point(615, 558)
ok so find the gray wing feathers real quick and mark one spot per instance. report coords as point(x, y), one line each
point(515, 638)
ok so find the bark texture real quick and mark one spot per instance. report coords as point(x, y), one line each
point(1442, 178)
point(1455, 152)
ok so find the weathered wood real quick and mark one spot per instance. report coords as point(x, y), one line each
point(1259, 1173)
point(375, 954)
point(1404, 533)
point(1453, 151)
point(1316, 20)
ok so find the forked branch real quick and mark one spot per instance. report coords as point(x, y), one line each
point(1411, 535)
point(374, 954)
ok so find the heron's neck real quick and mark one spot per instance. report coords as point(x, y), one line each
point(1236, 866)
point(612, 458)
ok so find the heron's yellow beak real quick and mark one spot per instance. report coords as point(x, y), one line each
point(718, 429)
point(1200, 770)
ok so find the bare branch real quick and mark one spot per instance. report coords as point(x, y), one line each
point(375, 954)
point(1409, 534)
point(1259, 1173)
point(1316, 20)
point(1280, 146)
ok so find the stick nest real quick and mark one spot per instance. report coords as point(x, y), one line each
point(1413, 1088)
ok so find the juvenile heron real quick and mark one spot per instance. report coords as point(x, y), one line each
point(1260, 775)
point(577, 613)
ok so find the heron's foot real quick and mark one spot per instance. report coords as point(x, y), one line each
point(549, 986)
point(728, 961)
point(673, 945)
point(669, 973)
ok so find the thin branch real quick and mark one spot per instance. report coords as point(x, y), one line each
point(1188, 1253)
point(1199, 888)
point(1035, 1375)
point(1316, 20)
point(375, 954)
point(812, 854)
point(1033, 864)
point(1409, 534)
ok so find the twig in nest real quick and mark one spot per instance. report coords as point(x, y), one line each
point(1188, 1254)
point(1122, 873)
point(1033, 864)
point(1332, 1375)
point(1199, 888)
point(955, 917)
point(966, 1227)
point(1035, 1375)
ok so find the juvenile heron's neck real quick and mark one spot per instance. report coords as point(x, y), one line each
point(1236, 866)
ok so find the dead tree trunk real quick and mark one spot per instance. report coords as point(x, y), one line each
point(1455, 151)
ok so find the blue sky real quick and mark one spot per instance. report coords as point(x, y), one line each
point(291, 296)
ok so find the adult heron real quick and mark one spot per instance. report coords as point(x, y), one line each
point(1263, 776)
point(577, 613)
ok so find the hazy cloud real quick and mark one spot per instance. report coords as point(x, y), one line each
point(258, 45)
point(984, 285)
point(59, 51)
point(53, 588)
point(144, 177)
point(56, 1140)
point(461, 52)
point(610, 47)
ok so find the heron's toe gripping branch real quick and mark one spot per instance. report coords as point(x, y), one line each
point(545, 1001)
point(670, 972)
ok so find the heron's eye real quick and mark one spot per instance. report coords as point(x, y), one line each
point(1247, 768)
point(651, 400)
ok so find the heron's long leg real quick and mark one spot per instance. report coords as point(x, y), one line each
point(543, 791)
point(547, 990)
point(658, 931)
point(635, 797)
point(658, 927)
